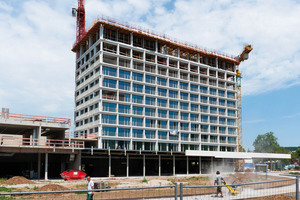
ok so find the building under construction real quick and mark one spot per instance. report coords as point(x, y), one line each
point(145, 105)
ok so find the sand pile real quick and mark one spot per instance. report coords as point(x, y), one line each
point(52, 187)
point(17, 180)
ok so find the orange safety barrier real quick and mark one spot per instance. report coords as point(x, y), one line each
point(36, 117)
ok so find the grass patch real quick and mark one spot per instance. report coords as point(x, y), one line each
point(144, 181)
point(35, 188)
point(5, 189)
point(2, 179)
point(6, 198)
point(80, 192)
point(294, 173)
point(197, 178)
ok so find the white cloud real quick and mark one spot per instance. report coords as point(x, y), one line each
point(37, 66)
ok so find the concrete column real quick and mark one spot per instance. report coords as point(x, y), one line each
point(159, 165)
point(199, 165)
point(127, 165)
point(212, 165)
point(173, 165)
point(144, 165)
point(77, 161)
point(187, 165)
point(101, 31)
point(131, 39)
point(46, 166)
point(39, 165)
point(109, 165)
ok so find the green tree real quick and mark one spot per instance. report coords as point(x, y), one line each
point(266, 143)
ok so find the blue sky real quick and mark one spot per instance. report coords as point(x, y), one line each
point(37, 66)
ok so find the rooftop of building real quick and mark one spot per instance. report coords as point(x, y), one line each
point(137, 30)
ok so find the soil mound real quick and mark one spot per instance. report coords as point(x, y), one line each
point(52, 187)
point(17, 180)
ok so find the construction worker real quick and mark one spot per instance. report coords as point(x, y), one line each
point(218, 181)
point(90, 194)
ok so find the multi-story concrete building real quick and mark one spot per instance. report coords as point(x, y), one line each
point(142, 92)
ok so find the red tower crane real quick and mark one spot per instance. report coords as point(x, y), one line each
point(80, 23)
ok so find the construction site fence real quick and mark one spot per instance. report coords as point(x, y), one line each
point(286, 189)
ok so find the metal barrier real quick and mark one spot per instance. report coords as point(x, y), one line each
point(286, 189)
point(36, 118)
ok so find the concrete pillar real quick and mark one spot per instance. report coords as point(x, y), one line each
point(187, 165)
point(101, 31)
point(46, 166)
point(199, 165)
point(212, 165)
point(159, 165)
point(144, 165)
point(77, 161)
point(174, 165)
point(109, 165)
point(127, 166)
point(39, 166)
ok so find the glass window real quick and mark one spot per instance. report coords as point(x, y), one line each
point(137, 99)
point(183, 86)
point(173, 94)
point(213, 110)
point(184, 116)
point(173, 104)
point(137, 121)
point(123, 132)
point(137, 110)
point(161, 81)
point(161, 124)
point(173, 125)
point(221, 93)
point(150, 123)
point(162, 135)
point(149, 112)
point(149, 90)
point(173, 115)
point(124, 120)
point(203, 99)
point(231, 104)
point(204, 118)
point(184, 96)
point(194, 117)
point(150, 79)
point(124, 74)
point(162, 113)
point(124, 85)
point(109, 71)
point(184, 136)
point(161, 102)
point(108, 131)
point(203, 89)
point(194, 107)
point(231, 113)
point(173, 84)
point(111, 107)
point(137, 77)
point(231, 122)
point(212, 91)
point(124, 109)
point(194, 97)
point(137, 133)
point(194, 88)
point(150, 101)
point(184, 106)
point(162, 92)
point(109, 119)
point(230, 95)
point(149, 134)
point(109, 83)
point(137, 88)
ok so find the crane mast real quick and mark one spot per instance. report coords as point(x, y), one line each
point(80, 23)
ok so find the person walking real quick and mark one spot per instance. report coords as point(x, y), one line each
point(218, 181)
point(90, 194)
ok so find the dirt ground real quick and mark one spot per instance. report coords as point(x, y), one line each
point(274, 197)
point(17, 184)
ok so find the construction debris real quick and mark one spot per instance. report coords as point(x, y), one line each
point(52, 187)
point(17, 180)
